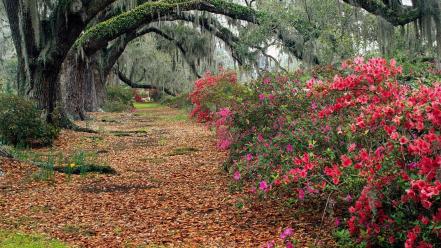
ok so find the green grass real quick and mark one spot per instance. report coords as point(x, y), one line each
point(11, 239)
point(146, 105)
point(177, 117)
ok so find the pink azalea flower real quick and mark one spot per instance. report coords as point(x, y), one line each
point(261, 97)
point(289, 245)
point(288, 232)
point(267, 80)
point(236, 176)
point(352, 147)
point(289, 148)
point(337, 222)
point(249, 157)
point(225, 112)
point(263, 186)
point(359, 60)
point(224, 144)
point(301, 194)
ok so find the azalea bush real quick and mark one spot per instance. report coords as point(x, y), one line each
point(214, 92)
point(360, 137)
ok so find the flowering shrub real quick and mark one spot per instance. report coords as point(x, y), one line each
point(213, 92)
point(137, 97)
point(361, 137)
point(212, 97)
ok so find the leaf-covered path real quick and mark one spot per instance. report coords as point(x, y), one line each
point(169, 190)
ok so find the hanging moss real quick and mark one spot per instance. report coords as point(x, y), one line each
point(148, 11)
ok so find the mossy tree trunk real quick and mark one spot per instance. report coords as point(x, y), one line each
point(43, 43)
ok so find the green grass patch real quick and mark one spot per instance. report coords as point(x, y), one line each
point(146, 105)
point(129, 133)
point(84, 169)
point(155, 161)
point(79, 163)
point(177, 117)
point(11, 239)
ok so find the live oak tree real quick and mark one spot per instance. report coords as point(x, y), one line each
point(45, 31)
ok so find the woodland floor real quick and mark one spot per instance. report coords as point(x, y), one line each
point(169, 191)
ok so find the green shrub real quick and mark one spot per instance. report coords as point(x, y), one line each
point(21, 123)
point(181, 101)
point(116, 106)
point(118, 99)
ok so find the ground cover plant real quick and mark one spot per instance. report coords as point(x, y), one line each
point(360, 138)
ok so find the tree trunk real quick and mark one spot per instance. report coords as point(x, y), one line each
point(94, 84)
point(73, 77)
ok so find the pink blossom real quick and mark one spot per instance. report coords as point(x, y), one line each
point(337, 222)
point(261, 97)
point(301, 194)
point(236, 176)
point(225, 112)
point(288, 232)
point(266, 80)
point(263, 186)
point(289, 148)
point(249, 157)
point(359, 60)
point(224, 144)
point(352, 147)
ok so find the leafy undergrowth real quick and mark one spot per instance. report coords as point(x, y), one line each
point(154, 200)
point(11, 239)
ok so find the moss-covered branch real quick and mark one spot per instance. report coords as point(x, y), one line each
point(97, 36)
point(393, 12)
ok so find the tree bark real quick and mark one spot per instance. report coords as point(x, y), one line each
point(72, 79)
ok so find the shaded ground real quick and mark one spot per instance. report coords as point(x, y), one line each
point(169, 190)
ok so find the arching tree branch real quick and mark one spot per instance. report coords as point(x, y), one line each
point(97, 36)
point(134, 85)
point(392, 11)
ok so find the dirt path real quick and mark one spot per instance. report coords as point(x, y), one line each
point(169, 190)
